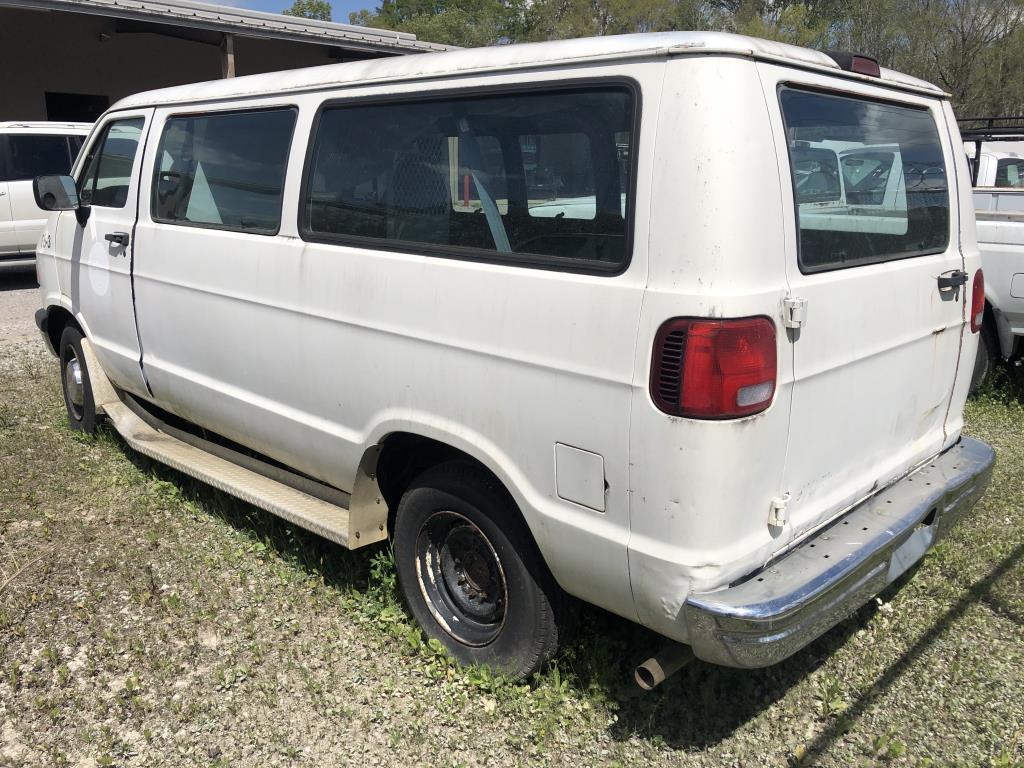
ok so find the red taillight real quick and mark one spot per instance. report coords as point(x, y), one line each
point(714, 369)
point(977, 301)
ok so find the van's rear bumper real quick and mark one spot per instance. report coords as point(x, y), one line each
point(783, 607)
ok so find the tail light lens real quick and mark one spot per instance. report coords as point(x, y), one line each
point(977, 301)
point(714, 369)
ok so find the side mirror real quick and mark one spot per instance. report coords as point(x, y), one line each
point(55, 193)
point(59, 193)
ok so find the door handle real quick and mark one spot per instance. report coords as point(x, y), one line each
point(117, 238)
point(952, 280)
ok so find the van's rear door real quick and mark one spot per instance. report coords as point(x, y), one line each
point(873, 266)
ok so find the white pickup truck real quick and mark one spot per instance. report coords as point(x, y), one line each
point(996, 154)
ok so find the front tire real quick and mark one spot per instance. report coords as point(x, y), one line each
point(78, 398)
point(472, 576)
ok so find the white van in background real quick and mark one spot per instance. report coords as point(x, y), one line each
point(27, 150)
point(557, 319)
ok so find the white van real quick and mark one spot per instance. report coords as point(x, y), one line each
point(28, 150)
point(550, 317)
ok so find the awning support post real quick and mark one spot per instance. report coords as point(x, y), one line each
point(227, 55)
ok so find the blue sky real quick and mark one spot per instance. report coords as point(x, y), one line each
point(341, 8)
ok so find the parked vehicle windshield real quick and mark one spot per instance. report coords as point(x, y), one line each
point(866, 176)
point(816, 174)
point(893, 201)
point(31, 155)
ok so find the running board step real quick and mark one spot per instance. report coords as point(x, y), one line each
point(145, 434)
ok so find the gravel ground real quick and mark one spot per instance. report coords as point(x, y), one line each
point(146, 620)
point(19, 301)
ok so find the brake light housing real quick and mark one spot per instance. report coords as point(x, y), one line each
point(860, 63)
point(714, 368)
point(977, 301)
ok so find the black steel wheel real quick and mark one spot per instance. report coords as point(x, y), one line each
point(472, 576)
point(460, 578)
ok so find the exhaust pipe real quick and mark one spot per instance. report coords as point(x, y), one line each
point(668, 661)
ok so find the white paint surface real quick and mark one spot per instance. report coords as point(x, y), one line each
point(313, 353)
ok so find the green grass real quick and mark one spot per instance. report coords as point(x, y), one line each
point(157, 621)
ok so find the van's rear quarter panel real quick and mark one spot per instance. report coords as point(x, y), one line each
point(701, 490)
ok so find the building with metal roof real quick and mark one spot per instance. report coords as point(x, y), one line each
point(71, 59)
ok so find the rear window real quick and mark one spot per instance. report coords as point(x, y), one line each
point(869, 179)
point(224, 170)
point(539, 178)
point(31, 155)
point(1010, 172)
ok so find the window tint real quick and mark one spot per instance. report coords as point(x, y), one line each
point(1010, 172)
point(107, 171)
point(869, 180)
point(529, 177)
point(224, 171)
point(29, 156)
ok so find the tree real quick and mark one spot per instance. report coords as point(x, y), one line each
point(966, 46)
point(795, 23)
point(972, 48)
point(466, 23)
point(310, 9)
point(556, 19)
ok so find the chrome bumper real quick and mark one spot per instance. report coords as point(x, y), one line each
point(777, 611)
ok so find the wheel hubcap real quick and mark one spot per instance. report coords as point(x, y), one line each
point(73, 384)
point(461, 578)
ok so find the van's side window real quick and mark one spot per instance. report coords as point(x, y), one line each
point(223, 170)
point(869, 180)
point(107, 171)
point(527, 177)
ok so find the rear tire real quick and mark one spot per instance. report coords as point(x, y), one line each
point(988, 356)
point(78, 398)
point(472, 576)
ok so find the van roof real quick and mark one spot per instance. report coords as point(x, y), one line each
point(45, 126)
point(471, 61)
